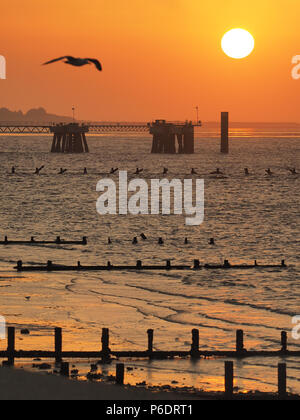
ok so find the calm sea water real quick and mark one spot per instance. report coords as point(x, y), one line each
point(255, 217)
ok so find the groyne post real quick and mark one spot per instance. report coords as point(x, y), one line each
point(11, 341)
point(240, 342)
point(195, 343)
point(284, 342)
point(120, 369)
point(229, 378)
point(105, 345)
point(65, 369)
point(150, 333)
point(282, 380)
point(58, 345)
point(20, 265)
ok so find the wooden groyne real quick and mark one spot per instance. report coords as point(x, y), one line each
point(33, 241)
point(50, 266)
point(105, 354)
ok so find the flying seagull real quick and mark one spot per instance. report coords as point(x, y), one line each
point(78, 62)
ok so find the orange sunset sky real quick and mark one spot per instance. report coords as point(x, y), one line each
point(160, 59)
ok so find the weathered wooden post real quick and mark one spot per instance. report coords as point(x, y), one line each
point(229, 378)
point(120, 368)
point(58, 345)
point(105, 345)
point(180, 142)
point(168, 265)
point(195, 343)
point(196, 264)
point(224, 132)
point(20, 265)
point(282, 380)
point(150, 333)
point(11, 340)
point(284, 342)
point(49, 265)
point(65, 369)
point(139, 265)
point(188, 138)
point(240, 342)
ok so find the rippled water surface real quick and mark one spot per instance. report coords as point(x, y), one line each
point(254, 217)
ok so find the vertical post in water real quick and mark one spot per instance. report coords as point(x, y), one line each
point(11, 339)
point(120, 373)
point(150, 340)
point(224, 132)
point(188, 139)
point(58, 345)
point(195, 343)
point(229, 379)
point(282, 380)
point(240, 341)
point(284, 342)
point(65, 369)
point(105, 345)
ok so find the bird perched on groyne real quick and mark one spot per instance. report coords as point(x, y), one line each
point(77, 62)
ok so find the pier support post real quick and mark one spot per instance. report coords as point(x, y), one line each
point(282, 380)
point(150, 333)
point(105, 345)
point(284, 342)
point(224, 132)
point(188, 139)
point(229, 378)
point(120, 368)
point(195, 343)
point(11, 340)
point(58, 345)
point(180, 143)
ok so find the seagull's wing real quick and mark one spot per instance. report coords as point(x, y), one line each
point(57, 59)
point(96, 62)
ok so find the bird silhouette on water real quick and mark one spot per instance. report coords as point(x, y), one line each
point(77, 62)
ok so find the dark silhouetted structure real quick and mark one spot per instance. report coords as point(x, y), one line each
point(224, 132)
point(165, 133)
point(69, 138)
point(77, 62)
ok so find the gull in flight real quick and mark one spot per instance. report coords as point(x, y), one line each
point(78, 62)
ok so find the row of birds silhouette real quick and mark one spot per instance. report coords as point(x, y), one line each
point(161, 241)
point(138, 171)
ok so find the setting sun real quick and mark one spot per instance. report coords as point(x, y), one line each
point(237, 43)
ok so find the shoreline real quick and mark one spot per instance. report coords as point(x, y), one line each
point(18, 384)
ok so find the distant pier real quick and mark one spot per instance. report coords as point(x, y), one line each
point(69, 138)
point(165, 135)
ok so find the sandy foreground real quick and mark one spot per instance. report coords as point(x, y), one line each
point(16, 384)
